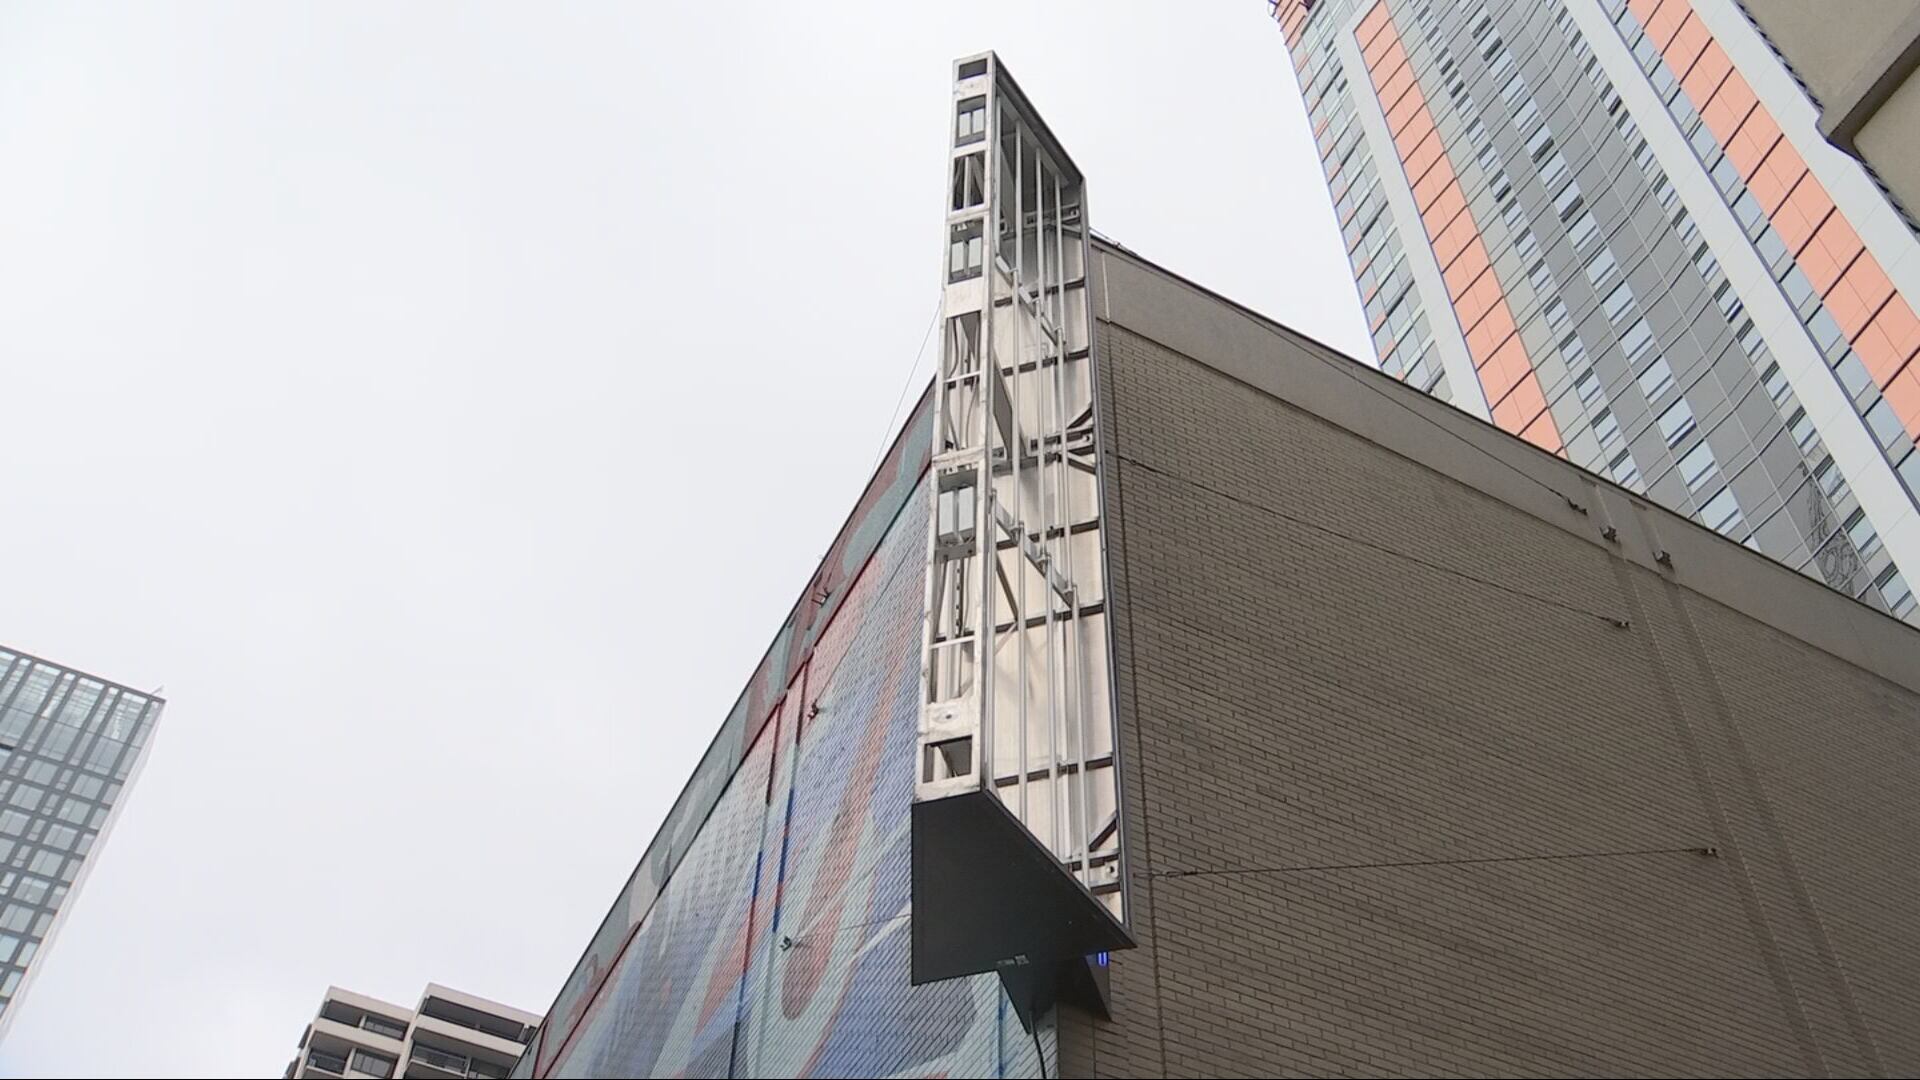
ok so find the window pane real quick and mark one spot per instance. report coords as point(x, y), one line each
point(1696, 465)
point(1676, 422)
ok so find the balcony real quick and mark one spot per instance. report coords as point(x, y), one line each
point(427, 1061)
point(321, 1061)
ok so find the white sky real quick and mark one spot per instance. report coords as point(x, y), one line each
point(446, 402)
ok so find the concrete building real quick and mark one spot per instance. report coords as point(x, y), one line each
point(1857, 61)
point(70, 746)
point(1618, 230)
point(448, 1034)
point(1263, 716)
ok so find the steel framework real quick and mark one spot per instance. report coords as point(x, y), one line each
point(1015, 665)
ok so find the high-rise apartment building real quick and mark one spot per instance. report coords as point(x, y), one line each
point(1617, 230)
point(447, 1036)
point(70, 744)
point(1183, 698)
point(1857, 61)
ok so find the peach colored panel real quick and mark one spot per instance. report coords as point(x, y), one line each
point(1506, 412)
point(1826, 257)
point(1417, 128)
point(1729, 107)
point(1422, 158)
point(1665, 23)
point(1776, 176)
point(1864, 284)
point(1505, 368)
point(1889, 340)
point(1371, 25)
point(1392, 87)
point(1392, 57)
point(1472, 260)
point(1453, 240)
point(1479, 299)
point(1492, 332)
point(1800, 216)
point(1444, 209)
point(1643, 9)
point(1751, 144)
point(1544, 434)
point(1839, 241)
point(1405, 110)
point(1376, 51)
point(1430, 187)
point(1710, 69)
point(1471, 308)
point(1687, 45)
point(1706, 74)
point(1903, 394)
point(1528, 400)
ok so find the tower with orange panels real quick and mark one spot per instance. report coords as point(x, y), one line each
point(1614, 229)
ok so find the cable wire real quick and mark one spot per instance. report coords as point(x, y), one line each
point(1410, 863)
point(1611, 620)
point(886, 435)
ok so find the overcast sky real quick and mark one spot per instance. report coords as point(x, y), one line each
point(446, 402)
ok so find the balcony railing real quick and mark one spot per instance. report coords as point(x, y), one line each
point(459, 1065)
point(320, 1059)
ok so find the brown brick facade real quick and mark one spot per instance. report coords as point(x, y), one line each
point(1403, 797)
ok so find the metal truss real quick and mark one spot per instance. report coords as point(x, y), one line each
point(1015, 677)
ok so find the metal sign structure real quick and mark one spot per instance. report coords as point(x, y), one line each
point(1016, 683)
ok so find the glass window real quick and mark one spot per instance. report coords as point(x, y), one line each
point(26, 797)
point(1636, 341)
point(1617, 302)
point(1605, 427)
point(31, 890)
point(372, 1064)
point(1624, 471)
point(1801, 428)
point(1894, 590)
point(1676, 422)
point(1775, 381)
point(1722, 512)
point(1886, 425)
point(1587, 385)
point(1583, 231)
point(1602, 267)
point(1696, 465)
point(1553, 170)
point(1657, 379)
point(1829, 477)
point(1853, 374)
point(1568, 203)
point(1860, 531)
point(16, 917)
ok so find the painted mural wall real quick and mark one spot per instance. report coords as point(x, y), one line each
point(769, 936)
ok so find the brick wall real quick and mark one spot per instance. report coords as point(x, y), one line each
point(1403, 798)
